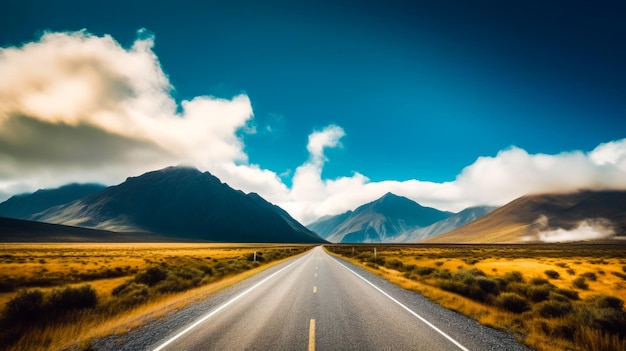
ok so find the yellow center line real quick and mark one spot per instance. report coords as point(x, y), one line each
point(312, 335)
point(315, 275)
point(315, 289)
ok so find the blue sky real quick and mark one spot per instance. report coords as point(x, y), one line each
point(421, 89)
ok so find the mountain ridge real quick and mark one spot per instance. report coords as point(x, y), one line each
point(534, 217)
point(184, 203)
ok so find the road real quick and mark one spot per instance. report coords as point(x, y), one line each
point(317, 302)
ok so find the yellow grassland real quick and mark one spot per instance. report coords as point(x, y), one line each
point(495, 261)
point(31, 262)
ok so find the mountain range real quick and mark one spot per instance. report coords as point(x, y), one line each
point(184, 204)
point(177, 202)
point(578, 216)
point(384, 220)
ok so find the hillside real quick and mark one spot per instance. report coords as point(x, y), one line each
point(582, 215)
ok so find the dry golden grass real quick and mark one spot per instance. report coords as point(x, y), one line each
point(428, 269)
point(46, 267)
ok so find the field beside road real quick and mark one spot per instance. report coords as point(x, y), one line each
point(558, 296)
point(54, 296)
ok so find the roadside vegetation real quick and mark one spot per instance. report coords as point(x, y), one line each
point(552, 297)
point(55, 297)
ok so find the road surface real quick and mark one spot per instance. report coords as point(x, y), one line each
point(316, 302)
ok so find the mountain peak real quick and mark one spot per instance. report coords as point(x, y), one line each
point(379, 220)
point(184, 203)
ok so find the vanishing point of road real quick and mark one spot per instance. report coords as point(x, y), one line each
point(318, 302)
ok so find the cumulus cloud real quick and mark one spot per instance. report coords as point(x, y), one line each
point(82, 107)
point(79, 107)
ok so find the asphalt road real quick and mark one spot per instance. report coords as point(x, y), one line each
point(317, 302)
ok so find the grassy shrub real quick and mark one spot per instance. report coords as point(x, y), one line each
point(151, 276)
point(424, 271)
point(619, 275)
point(552, 274)
point(513, 277)
point(395, 264)
point(69, 298)
point(28, 306)
point(513, 303)
point(601, 313)
point(580, 283)
point(570, 294)
point(606, 301)
point(553, 308)
point(590, 275)
point(538, 293)
point(471, 283)
point(131, 294)
point(539, 281)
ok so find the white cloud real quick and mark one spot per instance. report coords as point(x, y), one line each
point(82, 107)
point(589, 229)
point(78, 107)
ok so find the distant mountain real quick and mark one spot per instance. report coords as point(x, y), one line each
point(24, 206)
point(182, 203)
point(378, 221)
point(17, 230)
point(581, 215)
point(454, 221)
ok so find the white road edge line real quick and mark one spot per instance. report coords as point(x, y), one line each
point(407, 309)
point(226, 304)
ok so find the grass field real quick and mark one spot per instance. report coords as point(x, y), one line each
point(58, 296)
point(552, 297)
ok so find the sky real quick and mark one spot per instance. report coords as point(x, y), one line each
point(318, 106)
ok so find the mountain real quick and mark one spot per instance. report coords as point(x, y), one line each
point(454, 221)
point(378, 221)
point(18, 230)
point(581, 215)
point(183, 203)
point(24, 206)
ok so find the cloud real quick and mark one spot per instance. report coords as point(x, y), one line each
point(82, 107)
point(79, 107)
point(589, 229)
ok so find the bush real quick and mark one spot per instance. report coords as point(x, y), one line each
point(27, 306)
point(539, 281)
point(487, 285)
point(131, 294)
point(553, 309)
point(590, 275)
point(580, 283)
point(538, 293)
point(606, 319)
point(513, 277)
point(570, 294)
point(151, 276)
point(395, 264)
point(423, 271)
point(62, 300)
point(471, 283)
point(606, 301)
point(513, 303)
point(552, 274)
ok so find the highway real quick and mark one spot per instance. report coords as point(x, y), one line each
point(317, 302)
